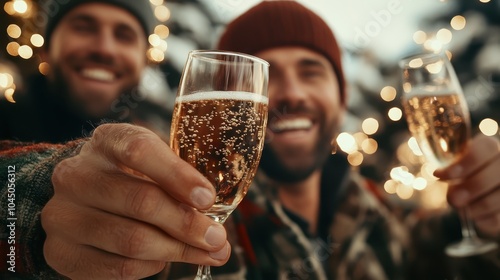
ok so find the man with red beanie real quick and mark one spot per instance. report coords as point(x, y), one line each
point(121, 204)
point(308, 215)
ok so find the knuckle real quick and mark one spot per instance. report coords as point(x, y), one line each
point(136, 269)
point(133, 245)
point(185, 252)
point(46, 217)
point(143, 202)
point(61, 171)
point(99, 133)
point(135, 148)
point(56, 257)
point(179, 252)
point(49, 217)
point(188, 219)
point(48, 253)
point(128, 269)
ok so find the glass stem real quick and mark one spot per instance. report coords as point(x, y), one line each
point(203, 273)
point(468, 230)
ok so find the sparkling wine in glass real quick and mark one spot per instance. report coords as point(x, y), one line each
point(218, 124)
point(438, 118)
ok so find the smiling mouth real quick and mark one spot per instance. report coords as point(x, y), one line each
point(98, 74)
point(284, 125)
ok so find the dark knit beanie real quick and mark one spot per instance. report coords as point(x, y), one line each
point(141, 9)
point(272, 24)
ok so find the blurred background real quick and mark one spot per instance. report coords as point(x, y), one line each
point(374, 34)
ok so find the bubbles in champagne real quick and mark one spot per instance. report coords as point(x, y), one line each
point(221, 134)
point(439, 123)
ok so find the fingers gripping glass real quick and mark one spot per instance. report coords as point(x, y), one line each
point(219, 122)
point(438, 118)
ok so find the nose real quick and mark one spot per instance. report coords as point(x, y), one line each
point(104, 47)
point(288, 90)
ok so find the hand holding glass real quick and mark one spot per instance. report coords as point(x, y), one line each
point(219, 122)
point(438, 118)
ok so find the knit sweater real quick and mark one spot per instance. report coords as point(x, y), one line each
point(25, 179)
point(364, 238)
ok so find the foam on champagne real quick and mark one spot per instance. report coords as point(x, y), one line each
point(422, 91)
point(217, 95)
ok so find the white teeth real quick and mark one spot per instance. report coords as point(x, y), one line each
point(98, 74)
point(291, 124)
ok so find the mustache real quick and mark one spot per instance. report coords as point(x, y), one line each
point(100, 58)
point(283, 112)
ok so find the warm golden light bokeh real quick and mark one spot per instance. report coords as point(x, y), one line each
point(388, 93)
point(162, 31)
point(346, 142)
point(419, 37)
point(154, 40)
point(20, 6)
point(355, 158)
point(25, 51)
point(156, 2)
point(14, 31)
point(9, 8)
point(13, 48)
point(44, 68)
point(156, 55)
point(458, 22)
point(488, 127)
point(395, 114)
point(370, 126)
point(9, 95)
point(6, 80)
point(37, 40)
point(444, 36)
point(369, 146)
point(162, 13)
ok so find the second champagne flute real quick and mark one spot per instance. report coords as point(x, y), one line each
point(438, 118)
point(218, 125)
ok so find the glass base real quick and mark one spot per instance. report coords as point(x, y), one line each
point(470, 247)
point(203, 273)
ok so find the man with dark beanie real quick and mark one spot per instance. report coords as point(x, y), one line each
point(97, 53)
point(122, 205)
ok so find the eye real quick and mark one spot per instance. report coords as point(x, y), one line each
point(83, 27)
point(311, 73)
point(125, 35)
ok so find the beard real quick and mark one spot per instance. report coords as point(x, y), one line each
point(67, 95)
point(276, 169)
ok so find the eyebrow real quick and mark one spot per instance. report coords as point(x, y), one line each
point(91, 19)
point(304, 62)
point(309, 62)
point(82, 17)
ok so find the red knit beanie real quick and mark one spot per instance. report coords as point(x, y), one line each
point(283, 23)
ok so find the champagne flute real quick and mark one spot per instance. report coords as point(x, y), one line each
point(438, 118)
point(218, 124)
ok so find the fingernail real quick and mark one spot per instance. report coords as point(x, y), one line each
point(460, 197)
point(201, 197)
point(220, 255)
point(215, 235)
